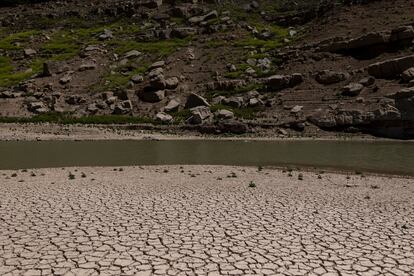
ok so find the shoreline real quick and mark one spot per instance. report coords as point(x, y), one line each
point(57, 132)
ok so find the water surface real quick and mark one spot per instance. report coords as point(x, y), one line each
point(387, 157)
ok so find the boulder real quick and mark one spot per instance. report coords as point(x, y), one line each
point(278, 82)
point(402, 33)
point(87, 66)
point(330, 77)
point(296, 109)
point(52, 68)
point(367, 81)
point(201, 18)
point(391, 68)
point(75, 100)
point(163, 117)
point(137, 78)
point(29, 52)
point(132, 54)
point(107, 34)
point(200, 114)
point(352, 89)
point(408, 75)
point(151, 96)
point(402, 94)
point(172, 105)
point(37, 107)
point(157, 64)
point(172, 83)
point(235, 102)
point(224, 114)
point(183, 32)
point(195, 100)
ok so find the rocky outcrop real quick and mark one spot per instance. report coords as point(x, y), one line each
point(391, 68)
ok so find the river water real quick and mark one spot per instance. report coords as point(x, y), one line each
point(385, 157)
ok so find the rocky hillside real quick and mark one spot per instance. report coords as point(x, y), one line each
point(308, 67)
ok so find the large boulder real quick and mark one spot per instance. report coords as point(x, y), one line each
point(200, 115)
point(352, 89)
point(391, 68)
point(151, 96)
point(195, 100)
point(330, 77)
point(163, 117)
point(408, 75)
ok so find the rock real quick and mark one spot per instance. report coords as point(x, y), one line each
point(52, 68)
point(38, 107)
point(87, 66)
point(201, 18)
point(157, 64)
point(330, 77)
point(158, 83)
point(152, 4)
point(132, 54)
point(251, 61)
point(151, 96)
point(391, 68)
point(296, 109)
point(107, 34)
point(137, 78)
point(224, 114)
point(367, 81)
point(65, 79)
point(154, 73)
point(408, 75)
point(402, 94)
point(225, 85)
point(183, 32)
point(172, 105)
point(352, 89)
point(29, 52)
point(75, 100)
point(295, 79)
point(218, 100)
point(106, 95)
point(235, 102)
point(195, 100)
point(250, 71)
point(254, 102)
point(364, 41)
point(200, 114)
point(122, 108)
point(163, 117)
point(172, 83)
point(402, 33)
point(92, 108)
point(278, 82)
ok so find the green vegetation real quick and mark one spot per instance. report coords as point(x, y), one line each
point(7, 75)
point(248, 113)
point(118, 79)
point(68, 119)
point(160, 48)
point(17, 41)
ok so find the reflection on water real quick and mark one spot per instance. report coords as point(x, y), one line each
point(395, 157)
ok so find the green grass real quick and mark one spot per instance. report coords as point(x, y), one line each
point(160, 48)
point(8, 42)
point(68, 119)
point(7, 75)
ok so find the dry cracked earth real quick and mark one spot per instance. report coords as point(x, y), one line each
point(204, 220)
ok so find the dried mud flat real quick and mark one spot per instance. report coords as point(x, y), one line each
point(204, 220)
